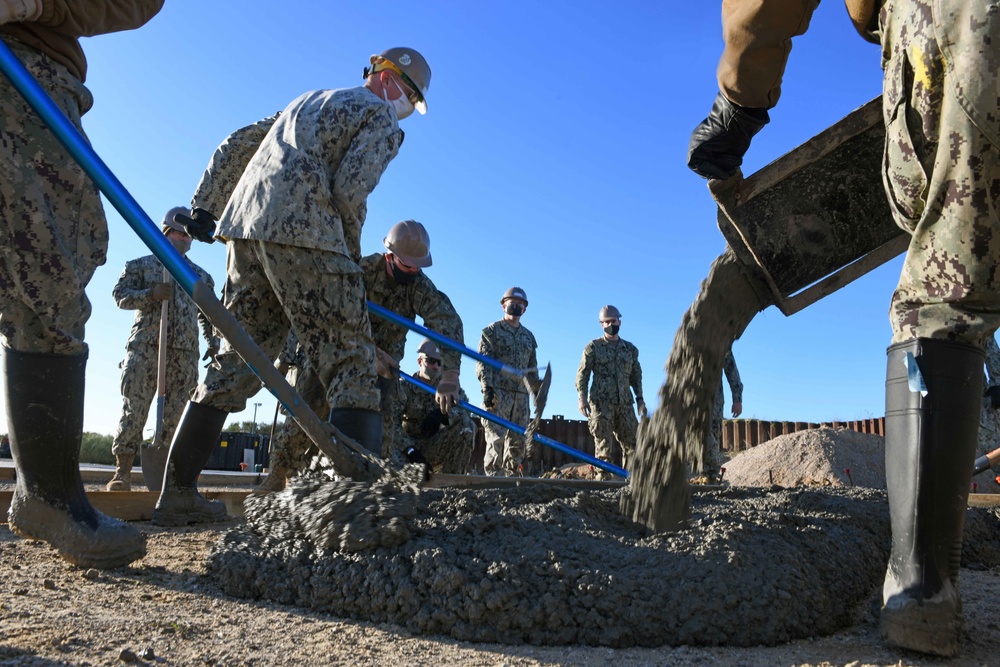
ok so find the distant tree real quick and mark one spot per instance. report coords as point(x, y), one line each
point(96, 448)
point(263, 428)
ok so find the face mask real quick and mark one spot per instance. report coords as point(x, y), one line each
point(181, 245)
point(514, 309)
point(401, 105)
point(402, 277)
point(612, 329)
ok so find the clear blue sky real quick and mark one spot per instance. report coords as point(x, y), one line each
point(552, 158)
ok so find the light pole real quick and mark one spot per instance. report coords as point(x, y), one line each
point(253, 429)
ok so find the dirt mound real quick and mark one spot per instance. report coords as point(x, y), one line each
point(817, 457)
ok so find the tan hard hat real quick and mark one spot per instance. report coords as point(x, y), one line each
point(514, 293)
point(609, 313)
point(409, 241)
point(429, 348)
point(168, 219)
point(415, 70)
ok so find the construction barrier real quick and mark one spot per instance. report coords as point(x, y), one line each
point(740, 434)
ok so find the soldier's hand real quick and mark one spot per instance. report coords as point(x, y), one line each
point(211, 352)
point(489, 398)
point(718, 144)
point(737, 409)
point(161, 292)
point(431, 424)
point(993, 393)
point(584, 408)
point(641, 406)
point(385, 365)
point(447, 390)
point(200, 225)
point(13, 11)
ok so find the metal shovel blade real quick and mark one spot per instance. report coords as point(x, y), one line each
point(542, 394)
point(154, 463)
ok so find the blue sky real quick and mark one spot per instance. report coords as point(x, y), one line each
point(552, 158)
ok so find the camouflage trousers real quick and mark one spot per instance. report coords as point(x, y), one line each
point(291, 448)
point(713, 464)
point(504, 448)
point(139, 370)
point(273, 288)
point(54, 233)
point(942, 164)
point(449, 450)
point(609, 422)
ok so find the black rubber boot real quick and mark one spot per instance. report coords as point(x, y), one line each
point(44, 395)
point(180, 504)
point(361, 425)
point(930, 448)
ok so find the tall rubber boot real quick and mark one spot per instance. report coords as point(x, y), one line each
point(196, 435)
point(44, 398)
point(361, 425)
point(275, 481)
point(930, 448)
point(122, 479)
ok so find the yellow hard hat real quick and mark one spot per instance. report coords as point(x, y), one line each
point(410, 65)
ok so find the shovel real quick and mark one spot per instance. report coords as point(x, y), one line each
point(539, 392)
point(349, 459)
point(154, 457)
point(520, 430)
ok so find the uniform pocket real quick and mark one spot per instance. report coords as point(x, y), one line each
point(904, 176)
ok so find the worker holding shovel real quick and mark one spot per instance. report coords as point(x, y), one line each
point(293, 231)
point(142, 287)
point(55, 235)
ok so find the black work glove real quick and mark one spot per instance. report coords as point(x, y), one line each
point(211, 352)
point(489, 398)
point(200, 224)
point(718, 144)
point(432, 423)
point(414, 455)
point(994, 395)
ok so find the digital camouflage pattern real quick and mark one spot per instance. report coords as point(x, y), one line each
point(227, 165)
point(131, 292)
point(941, 103)
point(989, 421)
point(139, 368)
point(515, 347)
point(273, 289)
point(307, 185)
point(614, 365)
point(421, 298)
point(450, 448)
point(293, 226)
point(715, 458)
point(138, 386)
point(54, 231)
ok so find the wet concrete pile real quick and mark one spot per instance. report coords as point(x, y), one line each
point(549, 565)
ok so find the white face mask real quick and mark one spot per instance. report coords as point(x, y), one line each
point(181, 245)
point(401, 105)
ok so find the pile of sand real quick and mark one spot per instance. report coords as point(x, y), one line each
point(822, 457)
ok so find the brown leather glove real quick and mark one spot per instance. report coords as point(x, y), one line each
point(447, 390)
point(161, 292)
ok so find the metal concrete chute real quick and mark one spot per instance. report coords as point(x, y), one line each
point(538, 388)
point(349, 459)
point(817, 218)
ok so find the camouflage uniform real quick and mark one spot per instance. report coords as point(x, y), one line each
point(449, 449)
point(418, 298)
point(989, 421)
point(54, 231)
point(515, 347)
point(617, 373)
point(139, 369)
point(291, 447)
point(715, 457)
point(293, 231)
